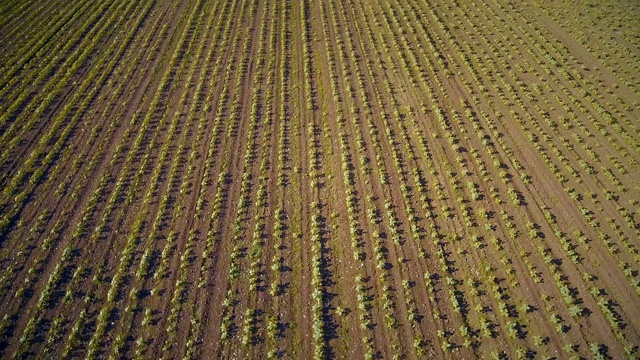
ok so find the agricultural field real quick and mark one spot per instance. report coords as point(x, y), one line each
point(319, 179)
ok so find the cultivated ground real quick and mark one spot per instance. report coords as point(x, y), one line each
point(319, 178)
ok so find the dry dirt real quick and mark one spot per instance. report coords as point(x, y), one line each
point(323, 178)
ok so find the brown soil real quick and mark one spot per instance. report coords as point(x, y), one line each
point(320, 178)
